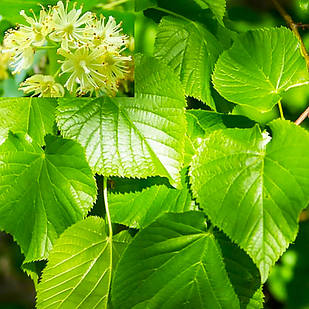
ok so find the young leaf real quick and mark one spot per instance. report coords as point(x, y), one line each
point(191, 51)
point(217, 7)
point(34, 116)
point(42, 192)
point(79, 270)
point(132, 137)
point(254, 189)
point(259, 67)
point(176, 263)
point(138, 209)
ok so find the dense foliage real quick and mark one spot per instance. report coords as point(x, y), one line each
point(183, 196)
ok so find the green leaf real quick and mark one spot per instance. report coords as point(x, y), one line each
point(217, 7)
point(34, 116)
point(202, 122)
point(260, 66)
point(191, 51)
point(132, 137)
point(254, 189)
point(138, 209)
point(256, 115)
point(79, 270)
point(126, 185)
point(42, 192)
point(242, 272)
point(210, 121)
point(193, 135)
point(176, 263)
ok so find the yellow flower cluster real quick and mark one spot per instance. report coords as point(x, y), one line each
point(92, 49)
point(42, 86)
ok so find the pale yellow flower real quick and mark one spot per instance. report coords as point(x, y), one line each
point(39, 28)
point(42, 86)
point(83, 64)
point(108, 33)
point(67, 25)
point(20, 43)
point(114, 68)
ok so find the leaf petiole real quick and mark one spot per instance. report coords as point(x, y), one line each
point(110, 228)
point(281, 110)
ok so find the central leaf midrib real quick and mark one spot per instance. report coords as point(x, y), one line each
point(86, 273)
point(153, 154)
point(200, 236)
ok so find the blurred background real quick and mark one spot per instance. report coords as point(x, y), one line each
point(288, 284)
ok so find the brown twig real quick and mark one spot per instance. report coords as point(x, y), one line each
point(294, 28)
point(302, 117)
point(302, 26)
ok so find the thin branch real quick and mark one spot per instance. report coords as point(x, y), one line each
point(294, 28)
point(302, 117)
point(302, 26)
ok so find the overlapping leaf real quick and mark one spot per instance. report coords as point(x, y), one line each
point(210, 121)
point(254, 189)
point(259, 67)
point(200, 123)
point(132, 137)
point(138, 209)
point(191, 51)
point(42, 192)
point(34, 116)
point(78, 274)
point(176, 263)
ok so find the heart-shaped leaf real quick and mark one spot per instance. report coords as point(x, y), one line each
point(254, 189)
point(260, 66)
point(42, 192)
